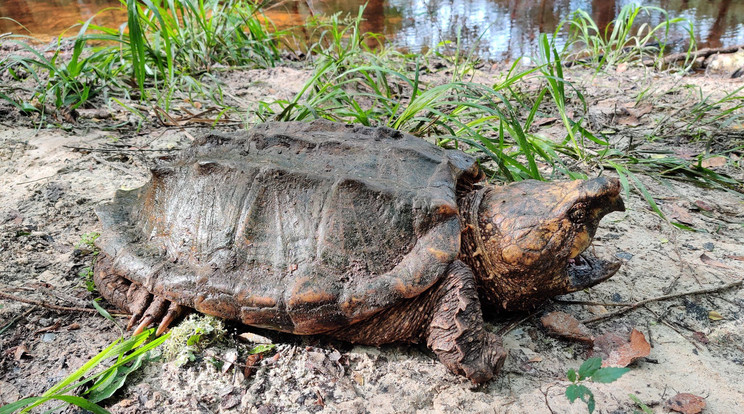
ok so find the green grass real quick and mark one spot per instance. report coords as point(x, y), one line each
point(626, 40)
point(125, 357)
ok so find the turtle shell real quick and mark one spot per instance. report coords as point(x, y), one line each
point(298, 227)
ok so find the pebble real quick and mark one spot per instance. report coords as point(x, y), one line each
point(48, 337)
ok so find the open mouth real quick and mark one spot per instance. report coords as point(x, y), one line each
point(586, 270)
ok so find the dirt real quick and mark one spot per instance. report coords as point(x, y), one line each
point(51, 183)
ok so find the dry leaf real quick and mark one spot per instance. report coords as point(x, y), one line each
point(679, 213)
point(622, 352)
point(20, 351)
point(536, 358)
point(73, 326)
point(685, 403)
point(713, 262)
point(566, 326)
point(700, 337)
point(543, 121)
point(715, 316)
point(250, 364)
point(702, 205)
point(717, 161)
point(253, 338)
point(686, 154)
point(621, 68)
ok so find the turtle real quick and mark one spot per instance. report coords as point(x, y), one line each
point(364, 234)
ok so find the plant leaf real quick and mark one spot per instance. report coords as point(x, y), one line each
point(608, 375)
point(589, 367)
point(571, 374)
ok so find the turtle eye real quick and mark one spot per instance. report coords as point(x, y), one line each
point(578, 213)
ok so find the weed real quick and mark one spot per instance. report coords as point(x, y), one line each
point(128, 354)
point(590, 370)
point(609, 48)
point(192, 335)
point(87, 245)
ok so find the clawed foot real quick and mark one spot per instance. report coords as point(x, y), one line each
point(146, 309)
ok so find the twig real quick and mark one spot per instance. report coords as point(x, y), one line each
point(16, 319)
point(700, 53)
point(632, 306)
point(588, 302)
point(52, 306)
point(118, 149)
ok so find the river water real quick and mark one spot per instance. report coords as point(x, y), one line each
point(494, 29)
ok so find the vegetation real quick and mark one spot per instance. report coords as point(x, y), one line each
point(174, 49)
point(128, 355)
point(590, 370)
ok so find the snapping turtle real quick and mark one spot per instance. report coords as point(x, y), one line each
point(364, 234)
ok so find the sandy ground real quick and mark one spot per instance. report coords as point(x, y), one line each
point(50, 187)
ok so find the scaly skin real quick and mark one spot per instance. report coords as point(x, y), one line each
point(520, 238)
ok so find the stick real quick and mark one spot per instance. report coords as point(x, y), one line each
point(52, 306)
point(701, 53)
point(632, 306)
point(117, 149)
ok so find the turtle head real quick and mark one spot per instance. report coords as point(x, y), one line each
point(529, 239)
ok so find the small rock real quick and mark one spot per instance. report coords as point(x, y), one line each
point(624, 255)
point(48, 337)
point(708, 246)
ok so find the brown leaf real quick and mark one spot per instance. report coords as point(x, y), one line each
point(629, 120)
point(639, 110)
point(543, 121)
point(717, 161)
point(700, 337)
point(685, 403)
point(686, 154)
point(621, 352)
point(250, 364)
point(713, 262)
point(702, 205)
point(73, 326)
point(679, 213)
point(566, 326)
point(20, 351)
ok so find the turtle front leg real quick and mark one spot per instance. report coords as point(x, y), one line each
point(146, 309)
point(456, 332)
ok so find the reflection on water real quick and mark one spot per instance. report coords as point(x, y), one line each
point(497, 29)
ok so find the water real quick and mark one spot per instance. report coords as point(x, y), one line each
point(495, 29)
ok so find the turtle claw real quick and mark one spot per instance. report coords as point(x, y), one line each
point(154, 312)
point(174, 312)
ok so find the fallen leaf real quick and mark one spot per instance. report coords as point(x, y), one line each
point(685, 403)
point(20, 351)
point(229, 359)
point(702, 205)
point(566, 326)
point(713, 262)
point(253, 338)
point(700, 337)
point(717, 161)
point(250, 364)
point(679, 213)
point(536, 358)
point(715, 316)
point(621, 67)
point(620, 352)
point(543, 121)
point(628, 120)
point(73, 326)
point(639, 110)
point(686, 154)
